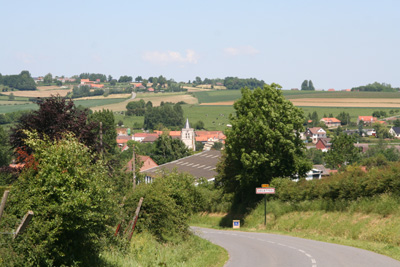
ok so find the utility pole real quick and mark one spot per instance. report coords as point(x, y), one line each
point(101, 136)
point(133, 168)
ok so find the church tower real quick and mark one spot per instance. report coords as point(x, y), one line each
point(188, 137)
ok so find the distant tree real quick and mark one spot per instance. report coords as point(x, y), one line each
point(315, 155)
point(144, 82)
point(136, 108)
point(22, 81)
point(199, 146)
point(199, 125)
point(168, 149)
point(307, 86)
point(396, 123)
point(342, 152)
point(138, 79)
point(344, 118)
point(109, 78)
point(120, 123)
point(198, 80)
point(217, 146)
point(304, 85)
point(376, 87)
point(166, 114)
point(58, 83)
point(48, 79)
point(149, 104)
point(11, 97)
point(125, 79)
point(381, 130)
point(311, 86)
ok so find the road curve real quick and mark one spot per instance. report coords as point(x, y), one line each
point(261, 249)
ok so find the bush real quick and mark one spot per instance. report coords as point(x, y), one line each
point(70, 197)
point(167, 205)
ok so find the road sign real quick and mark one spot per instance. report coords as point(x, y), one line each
point(236, 224)
point(265, 190)
point(265, 185)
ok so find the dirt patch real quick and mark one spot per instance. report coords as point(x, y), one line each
point(333, 102)
point(113, 96)
point(40, 93)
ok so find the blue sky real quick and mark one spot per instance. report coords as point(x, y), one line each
point(337, 44)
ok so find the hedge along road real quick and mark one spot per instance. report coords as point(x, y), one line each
point(260, 249)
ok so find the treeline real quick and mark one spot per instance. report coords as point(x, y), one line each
point(12, 116)
point(234, 83)
point(376, 87)
point(22, 81)
point(166, 115)
point(84, 91)
point(93, 76)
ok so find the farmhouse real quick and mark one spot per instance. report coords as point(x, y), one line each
point(148, 163)
point(315, 133)
point(367, 120)
point(331, 122)
point(323, 144)
point(395, 132)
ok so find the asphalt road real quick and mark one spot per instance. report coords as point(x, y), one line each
point(259, 249)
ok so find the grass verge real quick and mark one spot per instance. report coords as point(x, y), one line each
point(355, 226)
point(144, 250)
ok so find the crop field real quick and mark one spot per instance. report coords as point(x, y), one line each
point(215, 118)
point(98, 102)
point(43, 92)
point(229, 96)
point(12, 108)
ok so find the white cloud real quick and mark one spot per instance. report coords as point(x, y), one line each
point(247, 50)
point(170, 57)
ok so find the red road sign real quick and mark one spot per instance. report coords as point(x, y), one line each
point(265, 190)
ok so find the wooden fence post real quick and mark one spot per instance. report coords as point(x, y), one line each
point(3, 202)
point(136, 217)
point(25, 221)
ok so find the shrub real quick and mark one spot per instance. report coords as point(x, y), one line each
point(70, 197)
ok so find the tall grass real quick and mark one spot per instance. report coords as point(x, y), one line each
point(144, 250)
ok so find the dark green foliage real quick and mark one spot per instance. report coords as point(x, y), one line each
point(344, 118)
point(307, 86)
point(199, 125)
point(93, 76)
point(168, 203)
point(168, 149)
point(169, 115)
point(217, 146)
point(234, 83)
point(5, 149)
point(316, 156)
point(376, 87)
point(84, 91)
point(125, 79)
point(262, 143)
point(342, 152)
point(351, 184)
point(396, 123)
point(22, 81)
point(136, 108)
point(199, 146)
point(106, 117)
point(70, 197)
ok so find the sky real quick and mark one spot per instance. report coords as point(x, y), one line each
point(336, 44)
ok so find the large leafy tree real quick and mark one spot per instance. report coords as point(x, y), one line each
point(55, 116)
point(69, 194)
point(343, 151)
point(262, 144)
point(168, 149)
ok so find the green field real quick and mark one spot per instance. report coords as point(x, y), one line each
point(97, 102)
point(232, 95)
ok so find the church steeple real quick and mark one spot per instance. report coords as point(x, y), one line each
point(187, 124)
